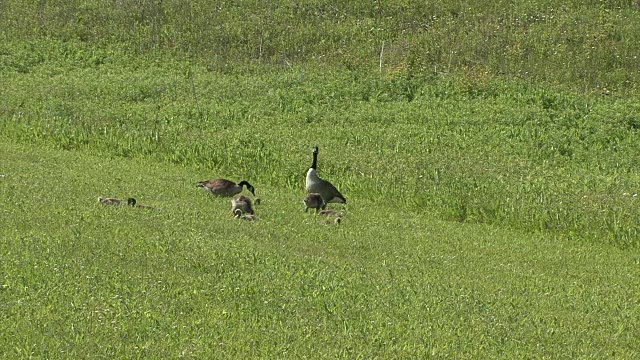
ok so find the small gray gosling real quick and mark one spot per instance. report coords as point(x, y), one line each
point(314, 201)
point(330, 213)
point(330, 222)
point(238, 215)
point(116, 201)
point(243, 204)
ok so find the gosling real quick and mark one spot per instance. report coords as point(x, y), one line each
point(239, 216)
point(243, 204)
point(337, 221)
point(330, 213)
point(314, 201)
point(132, 202)
point(116, 201)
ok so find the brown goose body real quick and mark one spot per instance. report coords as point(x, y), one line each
point(224, 187)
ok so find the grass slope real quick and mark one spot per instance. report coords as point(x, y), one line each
point(187, 280)
point(468, 148)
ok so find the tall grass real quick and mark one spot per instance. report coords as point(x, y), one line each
point(586, 44)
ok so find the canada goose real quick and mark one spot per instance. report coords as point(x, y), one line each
point(224, 187)
point(239, 215)
point(330, 213)
point(330, 222)
point(316, 185)
point(314, 201)
point(115, 201)
point(241, 203)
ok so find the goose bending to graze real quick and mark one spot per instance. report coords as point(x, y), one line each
point(243, 204)
point(330, 213)
point(224, 187)
point(115, 201)
point(330, 222)
point(239, 216)
point(315, 184)
point(314, 201)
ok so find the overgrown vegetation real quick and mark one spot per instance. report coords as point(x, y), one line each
point(587, 44)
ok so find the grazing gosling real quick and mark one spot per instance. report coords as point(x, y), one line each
point(109, 201)
point(224, 187)
point(314, 184)
point(243, 204)
point(337, 221)
point(314, 201)
point(132, 202)
point(116, 201)
point(330, 213)
point(239, 216)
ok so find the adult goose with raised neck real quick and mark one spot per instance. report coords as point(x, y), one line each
point(315, 184)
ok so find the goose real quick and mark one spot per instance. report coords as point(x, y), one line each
point(315, 184)
point(243, 204)
point(314, 201)
point(330, 222)
point(330, 213)
point(116, 201)
point(224, 187)
point(239, 216)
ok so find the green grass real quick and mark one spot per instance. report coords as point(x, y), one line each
point(186, 279)
point(466, 148)
point(488, 152)
point(584, 44)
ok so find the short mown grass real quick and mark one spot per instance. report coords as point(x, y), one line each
point(186, 279)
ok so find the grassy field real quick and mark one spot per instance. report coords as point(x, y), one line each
point(482, 150)
point(186, 279)
point(488, 153)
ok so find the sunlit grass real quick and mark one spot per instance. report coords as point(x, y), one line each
point(500, 151)
point(187, 279)
point(488, 152)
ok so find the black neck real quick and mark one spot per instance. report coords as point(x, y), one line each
point(315, 160)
